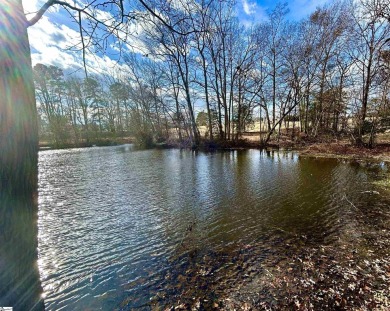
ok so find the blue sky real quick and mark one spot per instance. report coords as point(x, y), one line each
point(256, 10)
point(52, 36)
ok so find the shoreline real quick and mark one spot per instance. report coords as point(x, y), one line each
point(337, 150)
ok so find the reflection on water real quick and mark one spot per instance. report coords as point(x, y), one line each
point(113, 220)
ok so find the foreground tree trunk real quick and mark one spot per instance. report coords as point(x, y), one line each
point(19, 278)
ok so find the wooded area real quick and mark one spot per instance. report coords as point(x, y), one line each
point(328, 72)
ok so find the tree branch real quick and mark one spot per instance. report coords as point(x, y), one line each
point(50, 3)
point(40, 13)
point(170, 27)
point(83, 44)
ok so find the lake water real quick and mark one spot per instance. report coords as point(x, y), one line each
point(115, 222)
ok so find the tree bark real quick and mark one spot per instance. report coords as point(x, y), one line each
point(19, 277)
point(206, 90)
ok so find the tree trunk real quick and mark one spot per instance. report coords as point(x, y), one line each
point(265, 142)
point(206, 90)
point(219, 109)
point(19, 277)
point(185, 80)
point(239, 110)
point(366, 91)
point(307, 103)
point(178, 114)
point(273, 88)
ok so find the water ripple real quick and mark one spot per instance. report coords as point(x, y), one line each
point(112, 220)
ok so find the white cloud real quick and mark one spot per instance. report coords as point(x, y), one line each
point(250, 13)
point(59, 45)
point(31, 6)
point(249, 8)
point(50, 45)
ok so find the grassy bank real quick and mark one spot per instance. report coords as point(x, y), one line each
point(325, 146)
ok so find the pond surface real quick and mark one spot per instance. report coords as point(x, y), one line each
point(114, 222)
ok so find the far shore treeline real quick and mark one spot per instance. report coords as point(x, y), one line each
point(327, 74)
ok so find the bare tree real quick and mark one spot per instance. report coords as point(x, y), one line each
point(201, 20)
point(19, 132)
point(371, 33)
point(177, 49)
